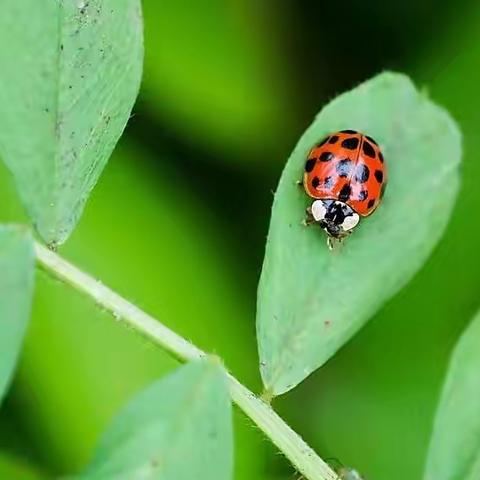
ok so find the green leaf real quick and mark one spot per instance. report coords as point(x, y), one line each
point(68, 81)
point(454, 452)
point(311, 300)
point(177, 429)
point(15, 467)
point(16, 290)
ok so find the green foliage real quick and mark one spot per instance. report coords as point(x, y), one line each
point(68, 81)
point(311, 301)
point(160, 222)
point(177, 429)
point(15, 468)
point(16, 289)
point(210, 71)
point(382, 388)
point(217, 87)
point(455, 445)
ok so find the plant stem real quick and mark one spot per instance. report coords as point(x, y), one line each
point(305, 460)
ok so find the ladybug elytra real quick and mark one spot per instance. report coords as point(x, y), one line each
point(346, 175)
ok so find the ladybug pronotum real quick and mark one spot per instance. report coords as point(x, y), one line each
point(347, 176)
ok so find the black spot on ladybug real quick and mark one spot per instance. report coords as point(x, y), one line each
point(363, 195)
point(379, 176)
point(348, 131)
point(368, 150)
point(322, 142)
point(344, 167)
point(371, 140)
point(345, 193)
point(333, 139)
point(382, 191)
point(328, 182)
point(310, 164)
point(350, 143)
point(315, 182)
point(380, 156)
point(371, 203)
point(326, 156)
point(362, 173)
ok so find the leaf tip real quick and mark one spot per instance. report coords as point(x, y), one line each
point(390, 76)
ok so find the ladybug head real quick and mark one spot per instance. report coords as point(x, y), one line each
point(336, 218)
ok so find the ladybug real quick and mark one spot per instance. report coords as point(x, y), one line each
point(346, 175)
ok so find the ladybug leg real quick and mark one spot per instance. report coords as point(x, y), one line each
point(330, 243)
point(306, 222)
point(334, 243)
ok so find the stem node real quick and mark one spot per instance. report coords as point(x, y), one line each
point(301, 455)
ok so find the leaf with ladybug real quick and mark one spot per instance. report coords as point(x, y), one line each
point(311, 300)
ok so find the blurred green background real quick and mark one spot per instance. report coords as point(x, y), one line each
point(178, 224)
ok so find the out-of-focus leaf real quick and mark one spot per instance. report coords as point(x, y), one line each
point(16, 290)
point(311, 301)
point(177, 429)
point(68, 80)
point(13, 468)
point(210, 72)
point(455, 444)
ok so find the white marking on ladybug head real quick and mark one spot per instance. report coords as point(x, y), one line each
point(350, 222)
point(318, 210)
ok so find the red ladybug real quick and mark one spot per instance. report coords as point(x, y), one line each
point(346, 174)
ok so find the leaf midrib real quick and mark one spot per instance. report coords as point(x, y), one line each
point(56, 114)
